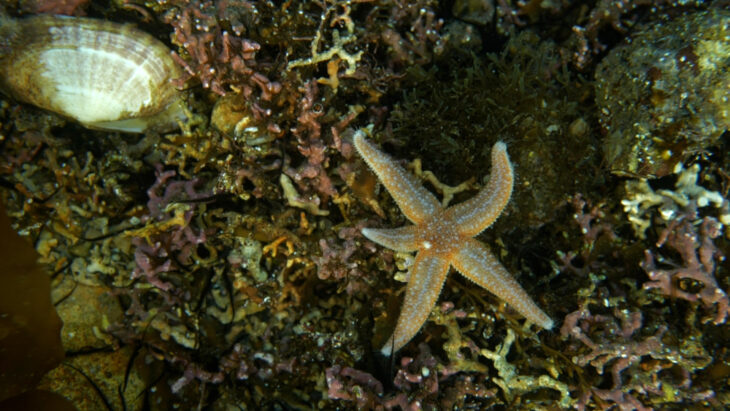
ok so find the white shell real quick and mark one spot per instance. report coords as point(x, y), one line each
point(102, 74)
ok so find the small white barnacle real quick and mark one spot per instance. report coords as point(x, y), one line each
point(104, 75)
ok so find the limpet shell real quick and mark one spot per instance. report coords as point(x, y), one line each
point(102, 74)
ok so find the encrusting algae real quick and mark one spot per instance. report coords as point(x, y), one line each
point(672, 97)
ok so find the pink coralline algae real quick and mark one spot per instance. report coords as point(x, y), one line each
point(311, 175)
point(154, 252)
point(347, 383)
point(336, 263)
point(220, 60)
point(417, 381)
point(167, 241)
point(56, 7)
point(695, 280)
point(243, 276)
point(591, 219)
point(637, 364)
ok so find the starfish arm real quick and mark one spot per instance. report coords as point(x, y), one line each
point(478, 264)
point(412, 198)
point(473, 216)
point(426, 278)
point(398, 239)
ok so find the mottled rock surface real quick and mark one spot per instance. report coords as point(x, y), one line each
point(663, 96)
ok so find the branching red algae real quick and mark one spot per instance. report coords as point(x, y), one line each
point(233, 246)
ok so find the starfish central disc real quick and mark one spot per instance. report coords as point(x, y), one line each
point(438, 231)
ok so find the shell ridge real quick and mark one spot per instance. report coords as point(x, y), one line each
point(101, 74)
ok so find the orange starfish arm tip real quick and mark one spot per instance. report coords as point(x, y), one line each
point(426, 278)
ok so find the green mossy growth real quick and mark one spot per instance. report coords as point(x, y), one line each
point(524, 96)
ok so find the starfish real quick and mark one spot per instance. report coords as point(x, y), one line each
point(443, 237)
